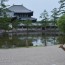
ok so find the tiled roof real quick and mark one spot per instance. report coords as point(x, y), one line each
point(19, 9)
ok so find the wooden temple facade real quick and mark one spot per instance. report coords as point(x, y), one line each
point(21, 12)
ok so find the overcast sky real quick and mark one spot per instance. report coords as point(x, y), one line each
point(37, 6)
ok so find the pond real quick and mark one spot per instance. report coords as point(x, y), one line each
point(21, 40)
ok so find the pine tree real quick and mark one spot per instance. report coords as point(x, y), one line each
point(62, 6)
point(54, 15)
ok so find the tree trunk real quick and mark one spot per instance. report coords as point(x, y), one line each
point(27, 37)
point(45, 37)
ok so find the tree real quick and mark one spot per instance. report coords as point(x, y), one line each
point(54, 15)
point(3, 8)
point(44, 17)
point(61, 39)
point(61, 20)
point(61, 23)
point(44, 21)
point(62, 6)
point(27, 23)
point(4, 23)
point(4, 20)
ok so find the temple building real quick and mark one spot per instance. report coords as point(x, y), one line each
point(21, 12)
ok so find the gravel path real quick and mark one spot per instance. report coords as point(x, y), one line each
point(50, 55)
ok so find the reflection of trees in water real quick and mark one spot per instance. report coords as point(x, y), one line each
point(6, 41)
point(49, 40)
point(45, 39)
point(9, 41)
point(26, 40)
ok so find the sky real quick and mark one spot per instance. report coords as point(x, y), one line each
point(37, 6)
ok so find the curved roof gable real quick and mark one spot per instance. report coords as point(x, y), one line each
point(19, 9)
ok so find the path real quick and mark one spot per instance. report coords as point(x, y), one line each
point(50, 55)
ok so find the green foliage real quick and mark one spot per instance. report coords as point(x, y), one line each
point(54, 15)
point(61, 39)
point(4, 23)
point(61, 23)
point(10, 41)
point(27, 22)
point(44, 23)
point(15, 24)
point(62, 6)
point(3, 8)
point(44, 17)
point(4, 20)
